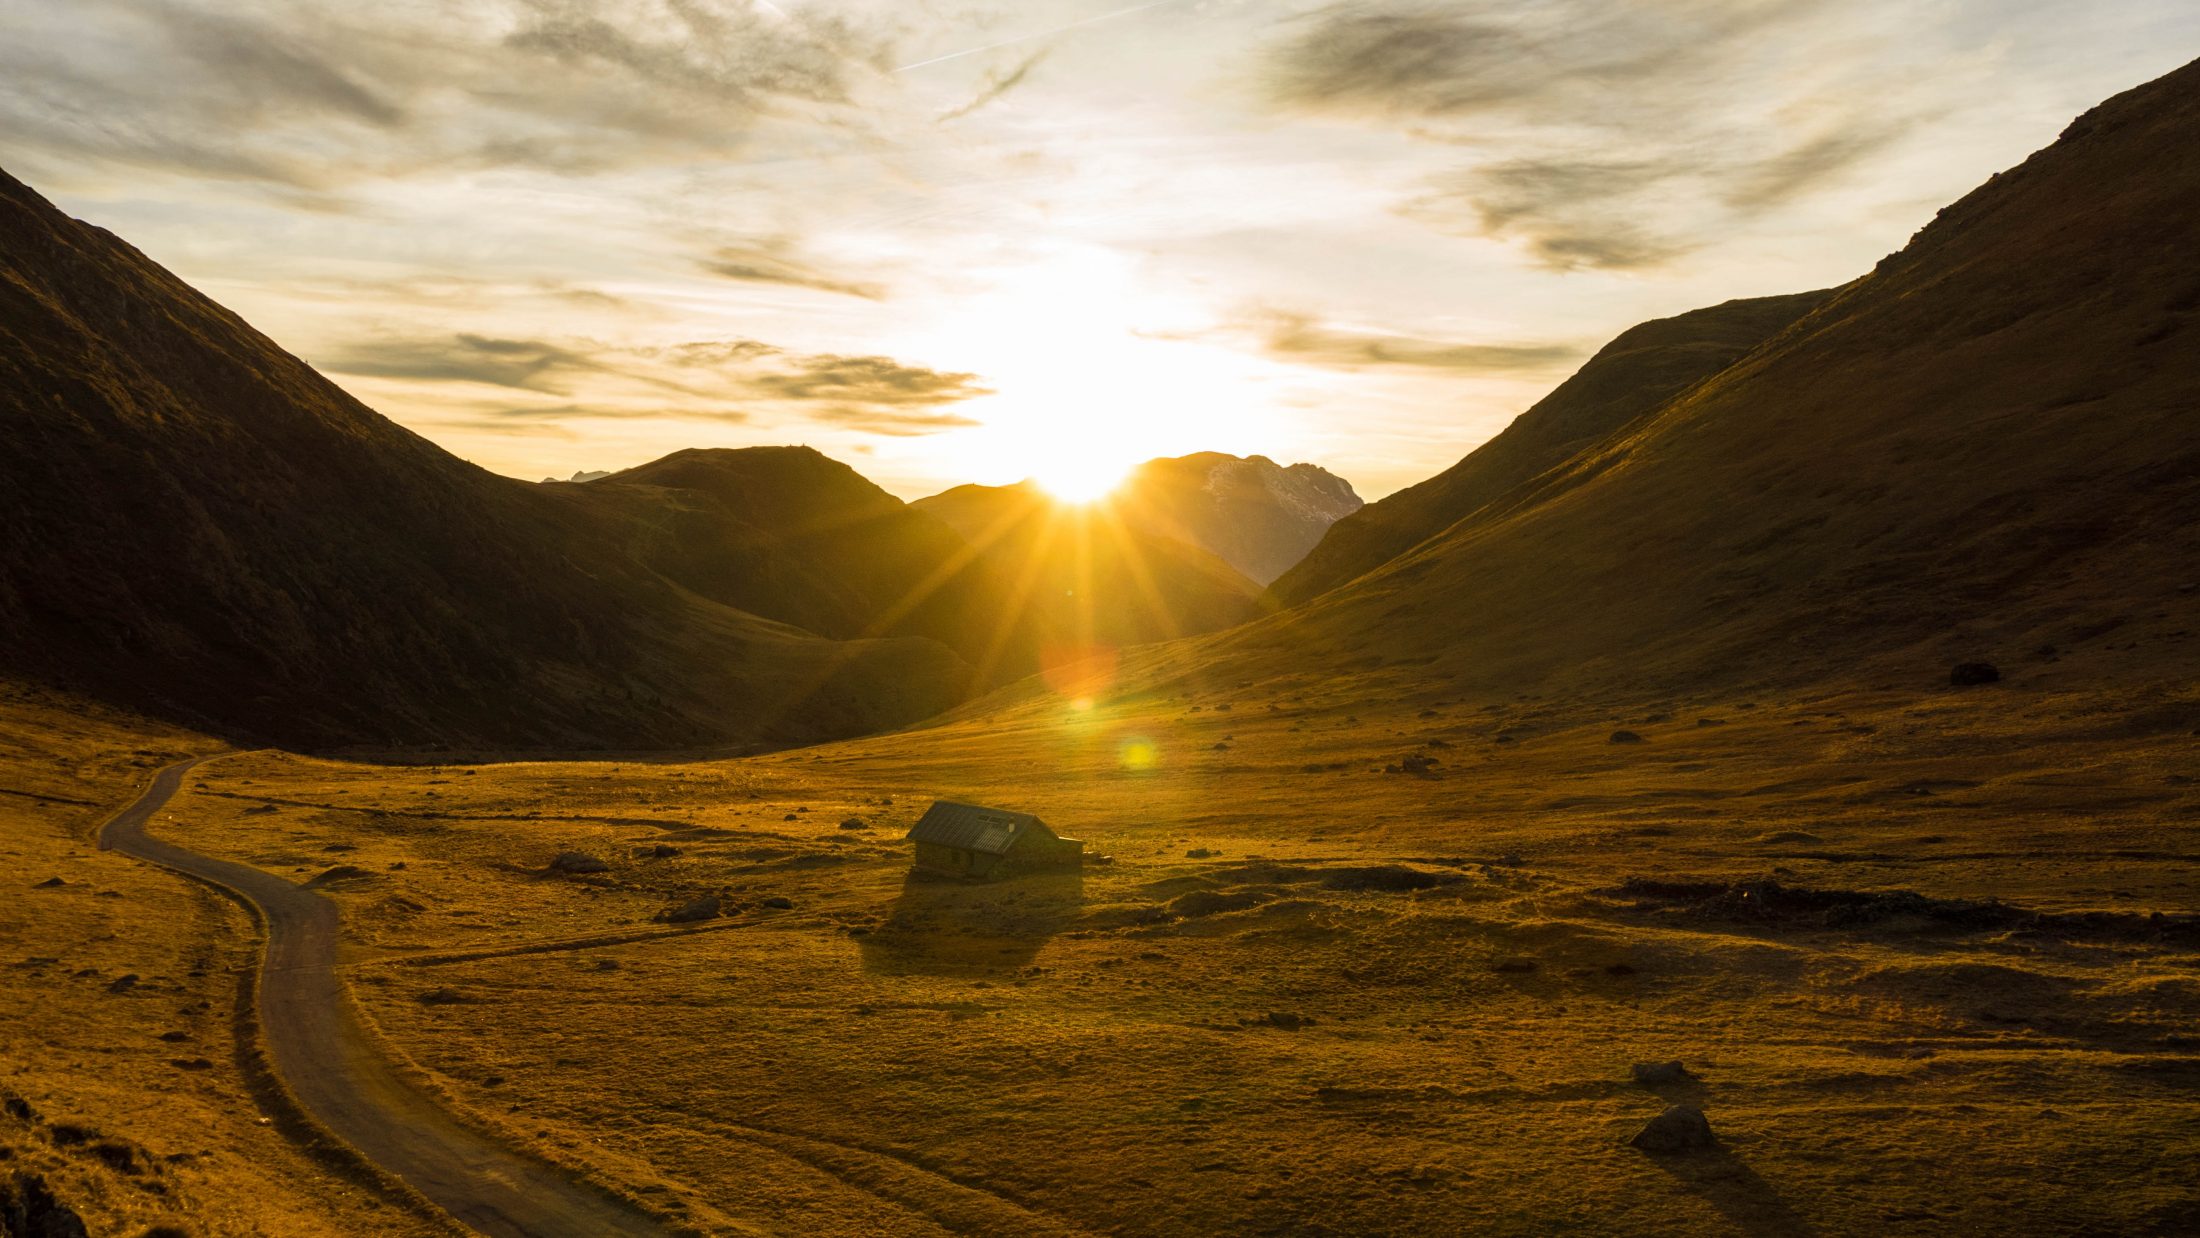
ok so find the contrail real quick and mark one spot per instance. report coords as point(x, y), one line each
point(1037, 34)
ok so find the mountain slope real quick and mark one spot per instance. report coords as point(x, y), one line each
point(792, 535)
point(1085, 575)
point(1252, 513)
point(194, 522)
point(1635, 373)
point(1986, 448)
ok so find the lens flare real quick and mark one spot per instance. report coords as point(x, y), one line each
point(1139, 754)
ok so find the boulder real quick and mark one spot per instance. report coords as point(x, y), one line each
point(1971, 674)
point(1681, 1128)
point(1659, 1074)
point(28, 1208)
point(855, 823)
point(1625, 737)
point(708, 907)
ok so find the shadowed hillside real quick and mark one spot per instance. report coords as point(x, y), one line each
point(1985, 449)
point(790, 534)
point(1635, 373)
point(1087, 575)
point(193, 521)
point(1256, 515)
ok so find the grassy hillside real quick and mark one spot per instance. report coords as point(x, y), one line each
point(1634, 374)
point(194, 522)
point(1088, 575)
point(791, 535)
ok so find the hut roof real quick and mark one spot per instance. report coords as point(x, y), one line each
point(971, 828)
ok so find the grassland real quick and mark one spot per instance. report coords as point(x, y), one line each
point(123, 1081)
point(1307, 995)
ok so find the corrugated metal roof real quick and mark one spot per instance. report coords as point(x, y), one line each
point(971, 828)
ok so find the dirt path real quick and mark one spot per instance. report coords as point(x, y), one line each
point(334, 1070)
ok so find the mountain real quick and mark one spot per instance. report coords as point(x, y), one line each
point(1085, 575)
point(1252, 513)
point(1634, 374)
point(195, 523)
point(1985, 449)
point(792, 535)
point(580, 475)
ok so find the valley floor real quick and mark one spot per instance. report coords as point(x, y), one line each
point(1306, 996)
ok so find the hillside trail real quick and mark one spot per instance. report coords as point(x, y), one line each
point(328, 1062)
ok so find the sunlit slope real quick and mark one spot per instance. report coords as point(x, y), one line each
point(194, 522)
point(792, 535)
point(1087, 575)
point(1986, 448)
point(1634, 374)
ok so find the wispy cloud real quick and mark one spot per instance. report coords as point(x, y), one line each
point(309, 95)
point(723, 380)
point(1307, 339)
point(1603, 134)
point(776, 262)
point(996, 85)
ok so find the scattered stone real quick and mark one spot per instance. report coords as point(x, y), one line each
point(120, 1157)
point(123, 984)
point(28, 1208)
point(1439, 743)
point(1619, 969)
point(1514, 967)
point(662, 851)
point(50, 883)
point(444, 997)
point(1659, 1074)
point(708, 907)
point(1971, 674)
point(19, 1109)
point(1681, 1128)
point(1625, 737)
point(607, 964)
point(1282, 1020)
point(578, 862)
point(175, 1037)
point(1417, 764)
point(790, 817)
point(855, 823)
point(1221, 747)
point(779, 902)
point(190, 1063)
point(1201, 853)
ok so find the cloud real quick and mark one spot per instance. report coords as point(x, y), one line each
point(889, 423)
point(718, 380)
point(1613, 134)
point(314, 94)
point(1308, 340)
point(997, 84)
point(773, 262)
point(869, 382)
point(530, 365)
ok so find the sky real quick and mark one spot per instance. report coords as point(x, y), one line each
point(950, 241)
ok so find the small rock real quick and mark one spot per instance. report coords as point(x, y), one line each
point(662, 851)
point(1971, 674)
point(790, 817)
point(1286, 1021)
point(1514, 967)
point(50, 883)
point(1681, 1128)
point(780, 902)
point(1659, 1074)
point(443, 997)
point(708, 907)
point(1200, 853)
point(1625, 737)
point(175, 1037)
point(123, 984)
point(578, 862)
point(855, 823)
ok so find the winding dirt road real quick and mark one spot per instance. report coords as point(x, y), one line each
point(331, 1066)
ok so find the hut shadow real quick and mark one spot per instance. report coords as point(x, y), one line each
point(940, 926)
point(1753, 1205)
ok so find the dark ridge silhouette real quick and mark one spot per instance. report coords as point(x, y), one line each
point(194, 523)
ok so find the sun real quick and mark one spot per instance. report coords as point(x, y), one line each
point(1081, 478)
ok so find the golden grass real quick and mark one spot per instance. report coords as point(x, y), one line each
point(1097, 1053)
point(133, 1107)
